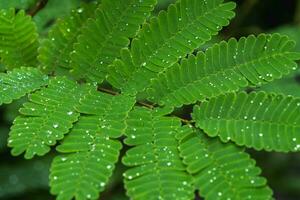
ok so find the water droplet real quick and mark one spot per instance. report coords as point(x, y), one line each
point(63, 159)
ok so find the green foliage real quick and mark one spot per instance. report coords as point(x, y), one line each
point(103, 37)
point(18, 39)
point(19, 82)
point(259, 120)
point(156, 168)
point(185, 26)
point(45, 119)
point(91, 148)
point(287, 85)
point(226, 67)
point(126, 73)
point(54, 53)
point(220, 171)
point(54, 9)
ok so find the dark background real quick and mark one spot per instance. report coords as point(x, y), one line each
point(28, 180)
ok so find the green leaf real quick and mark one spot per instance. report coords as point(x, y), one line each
point(18, 39)
point(259, 120)
point(54, 53)
point(226, 67)
point(46, 118)
point(19, 82)
point(156, 170)
point(90, 150)
point(172, 35)
point(85, 171)
point(221, 171)
point(104, 36)
point(287, 86)
point(54, 10)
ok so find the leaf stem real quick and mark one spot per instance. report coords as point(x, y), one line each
point(144, 104)
point(38, 6)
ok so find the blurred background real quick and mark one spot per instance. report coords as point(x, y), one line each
point(28, 180)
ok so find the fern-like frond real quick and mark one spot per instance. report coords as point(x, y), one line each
point(46, 118)
point(19, 82)
point(104, 36)
point(259, 120)
point(18, 39)
point(90, 150)
point(84, 172)
point(226, 67)
point(157, 171)
point(172, 35)
point(221, 171)
point(54, 53)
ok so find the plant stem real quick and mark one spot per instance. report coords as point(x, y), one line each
point(147, 105)
point(38, 6)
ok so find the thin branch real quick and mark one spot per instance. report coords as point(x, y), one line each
point(145, 105)
point(108, 91)
point(38, 6)
point(149, 106)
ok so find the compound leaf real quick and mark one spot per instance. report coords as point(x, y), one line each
point(90, 150)
point(54, 53)
point(259, 120)
point(226, 67)
point(186, 25)
point(104, 36)
point(48, 115)
point(19, 82)
point(221, 171)
point(156, 170)
point(18, 39)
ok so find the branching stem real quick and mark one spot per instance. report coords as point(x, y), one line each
point(144, 104)
point(38, 6)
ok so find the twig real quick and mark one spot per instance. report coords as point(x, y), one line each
point(39, 6)
point(108, 91)
point(145, 104)
point(149, 106)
